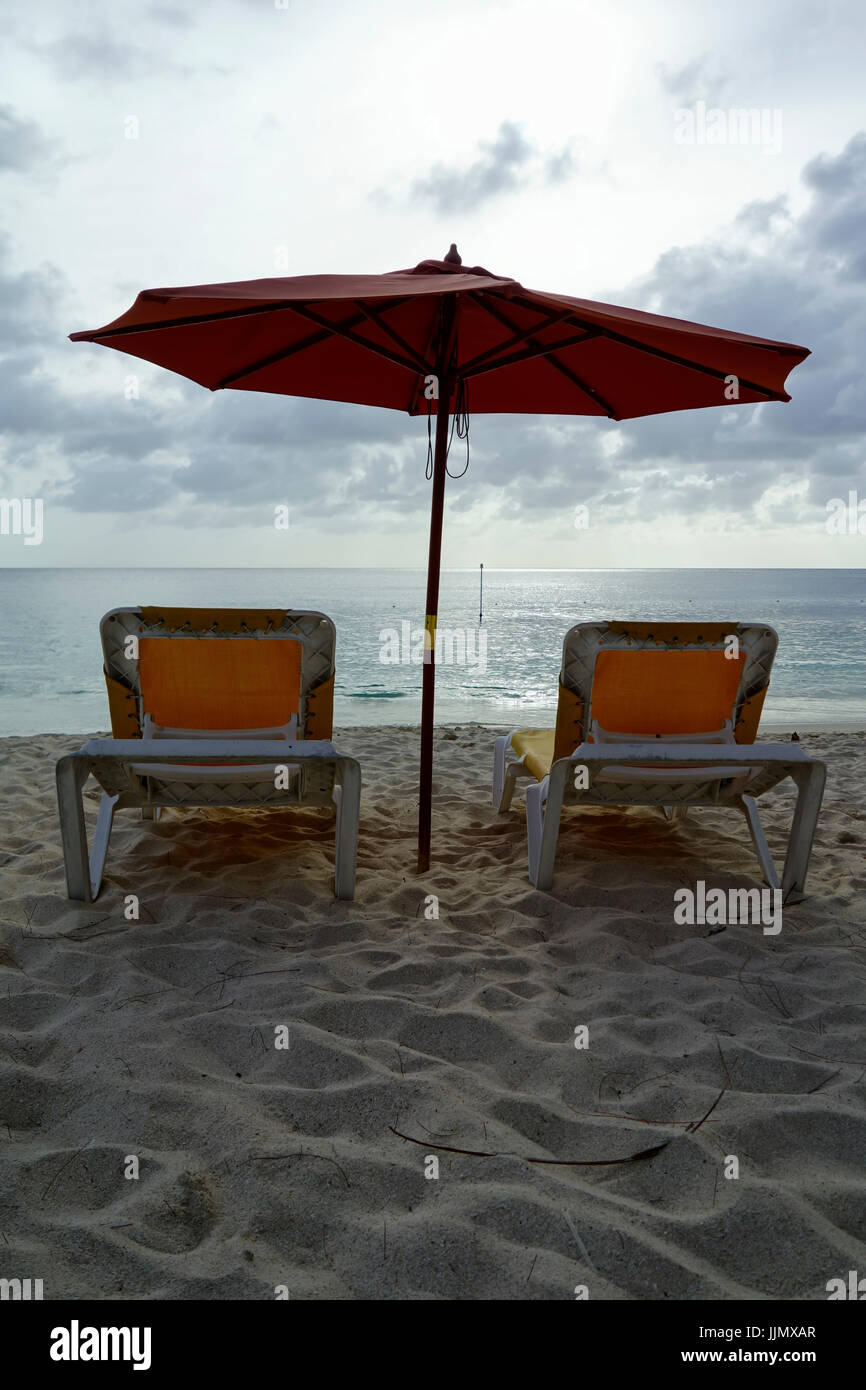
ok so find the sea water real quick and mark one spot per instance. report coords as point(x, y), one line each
point(51, 662)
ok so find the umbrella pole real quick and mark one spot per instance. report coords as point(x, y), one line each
point(440, 457)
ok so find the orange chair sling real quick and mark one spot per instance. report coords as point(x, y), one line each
point(665, 692)
point(196, 683)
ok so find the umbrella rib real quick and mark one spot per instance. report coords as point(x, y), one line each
point(554, 361)
point(522, 336)
point(279, 356)
point(327, 330)
point(673, 357)
point(99, 334)
point(218, 316)
point(396, 338)
point(429, 355)
point(538, 350)
point(344, 330)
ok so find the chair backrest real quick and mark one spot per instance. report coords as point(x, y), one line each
point(219, 669)
point(653, 679)
point(241, 683)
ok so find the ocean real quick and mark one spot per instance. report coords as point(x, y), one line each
point(51, 664)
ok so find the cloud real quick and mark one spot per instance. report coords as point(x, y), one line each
point(171, 15)
point(697, 80)
point(23, 146)
point(506, 164)
point(178, 452)
point(796, 279)
point(84, 56)
point(29, 302)
point(836, 221)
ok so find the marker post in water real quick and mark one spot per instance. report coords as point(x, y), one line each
point(481, 596)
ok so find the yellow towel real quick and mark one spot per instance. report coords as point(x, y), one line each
point(535, 746)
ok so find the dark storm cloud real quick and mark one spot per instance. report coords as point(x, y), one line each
point(505, 164)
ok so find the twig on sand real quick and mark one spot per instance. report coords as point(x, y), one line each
point(634, 1119)
point(226, 977)
point(822, 1083)
point(580, 1245)
point(547, 1162)
point(63, 1167)
point(696, 1124)
point(531, 1268)
point(299, 1153)
point(724, 1063)
point(778, 1003)
point(140, 998)
point(638, 1157)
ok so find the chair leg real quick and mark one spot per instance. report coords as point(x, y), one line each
point(555, 789)
point(810, 790)
point(535, 796)
point(71, 774)
point(759, 840)
point(104, 822)
point(83, 871)
point(503, 776)
point(347, 798)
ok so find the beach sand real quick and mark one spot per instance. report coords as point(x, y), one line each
point(264, 1168)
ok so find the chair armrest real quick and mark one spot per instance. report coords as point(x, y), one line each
point(689, 754)
point(136, 750)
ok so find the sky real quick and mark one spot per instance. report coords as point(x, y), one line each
point(581, 148)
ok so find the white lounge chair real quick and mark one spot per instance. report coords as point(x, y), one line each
point(660, 714)
point(211, 707)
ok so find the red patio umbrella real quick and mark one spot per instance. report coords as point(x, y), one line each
point(464, 338)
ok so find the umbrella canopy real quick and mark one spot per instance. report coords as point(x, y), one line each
point(458, 337)
point(372, 339)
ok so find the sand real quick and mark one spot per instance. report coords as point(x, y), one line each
point(262, 1168)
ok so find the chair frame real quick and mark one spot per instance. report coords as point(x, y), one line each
point(111, 762)
point(232, 767)
point(673, 772)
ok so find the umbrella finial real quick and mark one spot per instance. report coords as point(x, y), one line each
point(454, 257)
